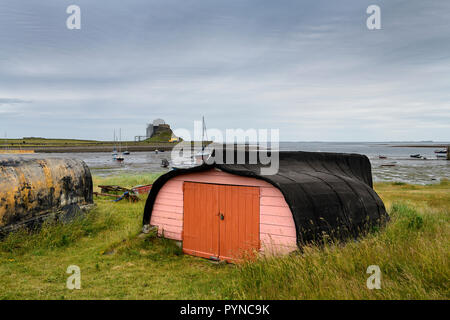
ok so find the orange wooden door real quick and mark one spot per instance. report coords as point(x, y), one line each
point(239, 222)
point(220, 221)
point(201, 220)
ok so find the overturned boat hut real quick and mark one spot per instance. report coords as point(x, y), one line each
point(221, 211)
point(33, 190)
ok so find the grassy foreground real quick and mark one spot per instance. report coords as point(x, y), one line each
point(117, 263)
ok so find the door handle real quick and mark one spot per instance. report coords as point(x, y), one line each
point(221, 216)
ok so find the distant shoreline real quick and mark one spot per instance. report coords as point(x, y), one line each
point(107, 148)
point(442, 146)
point(44, 145)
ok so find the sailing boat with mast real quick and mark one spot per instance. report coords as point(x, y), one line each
point(120, 157)
point(126, 152)
point(114, 152)
point(199, 158)
point(202, 156)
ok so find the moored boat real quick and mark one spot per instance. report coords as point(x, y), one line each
point(165, 163)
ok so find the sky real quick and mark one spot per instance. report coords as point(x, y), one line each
point(310, 68)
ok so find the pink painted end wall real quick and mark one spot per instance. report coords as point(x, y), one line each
point(277, 228)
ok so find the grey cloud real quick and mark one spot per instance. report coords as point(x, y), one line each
point(309, 67)
point(13, 101)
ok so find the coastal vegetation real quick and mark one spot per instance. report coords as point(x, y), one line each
point(37, 141)
point(160, 141)
point(117, 262)
point(163, 136)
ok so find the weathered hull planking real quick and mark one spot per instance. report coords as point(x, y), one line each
point(32, 190)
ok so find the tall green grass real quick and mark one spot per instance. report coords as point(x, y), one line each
point(117, 262)
point(412, 253)
point(52, 235)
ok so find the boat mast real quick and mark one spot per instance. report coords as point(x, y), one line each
point(204, 133)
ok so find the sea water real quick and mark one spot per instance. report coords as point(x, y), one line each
point(406, 169)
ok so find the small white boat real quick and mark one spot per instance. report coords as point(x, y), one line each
point(165, 163)
point(201, 157)
point(126, 152)
point(118, 155)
